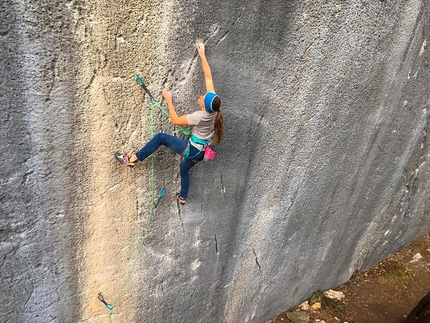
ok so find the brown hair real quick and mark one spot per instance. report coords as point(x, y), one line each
point(219, 129)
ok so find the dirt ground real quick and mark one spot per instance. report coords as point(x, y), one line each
point(386, 293)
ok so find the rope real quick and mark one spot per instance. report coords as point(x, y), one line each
point(111, 306)
point(130, 273)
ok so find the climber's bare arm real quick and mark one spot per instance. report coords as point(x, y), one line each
point(205, 65)
point(176, 120)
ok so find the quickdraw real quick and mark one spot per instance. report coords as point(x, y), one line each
point(102, 299)
point(141, 82)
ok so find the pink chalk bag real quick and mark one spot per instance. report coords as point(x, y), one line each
point(209, 152)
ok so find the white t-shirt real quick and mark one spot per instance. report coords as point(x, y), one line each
point(203, 123)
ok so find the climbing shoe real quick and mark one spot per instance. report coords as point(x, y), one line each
point(122, 158)
point(180, 199)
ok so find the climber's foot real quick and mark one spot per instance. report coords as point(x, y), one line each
point(180, 199)
point(123, 158)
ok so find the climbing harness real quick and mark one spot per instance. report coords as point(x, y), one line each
point(162, 192)
point(199, 141)
point(207, 147)
point(186, 152)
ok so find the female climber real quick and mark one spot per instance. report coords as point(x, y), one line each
point(207, 128)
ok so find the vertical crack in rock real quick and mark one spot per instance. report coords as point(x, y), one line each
point(379, 148)
point(195, 58)
point(412, 175)
point(256, 259)
point(216, 244)
point(166, 79)
point(293, 199)
point(222, 187)
point(26, 178)
point(410, 184)
point(188, 72)
point(30, 294)
point(180, 216)
point(228, 30)
point(51, 84)
point(91, 81)
point(137, 209)
point(223, 37)
point(212, 34)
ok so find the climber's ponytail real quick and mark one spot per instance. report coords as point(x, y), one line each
point(218, 125)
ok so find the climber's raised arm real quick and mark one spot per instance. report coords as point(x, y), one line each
point(206, 69)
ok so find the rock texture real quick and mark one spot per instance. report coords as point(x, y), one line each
point(323, 172)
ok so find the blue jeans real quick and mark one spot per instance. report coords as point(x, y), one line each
point(177, 145)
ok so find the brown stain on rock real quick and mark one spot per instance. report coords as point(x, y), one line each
point(117, 41)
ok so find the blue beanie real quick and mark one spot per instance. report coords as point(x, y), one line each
point(208, 99)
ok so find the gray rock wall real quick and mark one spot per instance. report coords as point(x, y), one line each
point(323, 172)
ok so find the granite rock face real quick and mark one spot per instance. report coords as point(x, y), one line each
point(324, 170)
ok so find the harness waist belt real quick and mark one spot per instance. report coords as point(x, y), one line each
point(197, 140)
